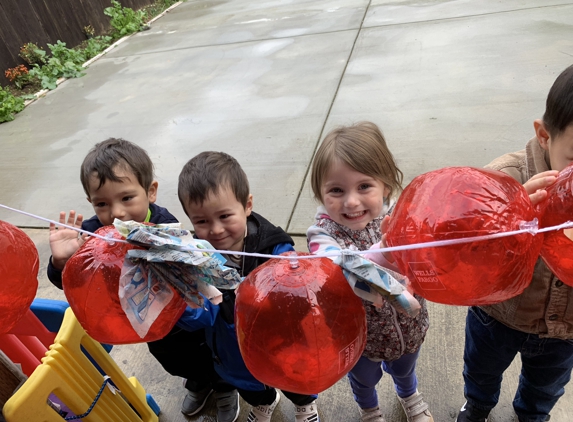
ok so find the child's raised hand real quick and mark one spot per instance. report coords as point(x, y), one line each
point(65, 242)
point(535, 187)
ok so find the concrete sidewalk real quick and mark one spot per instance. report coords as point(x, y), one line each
point(449, 82)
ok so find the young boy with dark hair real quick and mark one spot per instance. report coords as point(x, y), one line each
point(214, 192)
point(538, 323)
point(117, 177)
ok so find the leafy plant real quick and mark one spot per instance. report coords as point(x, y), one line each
point(96, 45)
point(32, 54)
point(158, 7)
point(124, 20)
point(19, 75)
point(65, 54)
point(9, 105)
point(64, 62)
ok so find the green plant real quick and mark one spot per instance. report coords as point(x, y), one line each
point(65, 54)
point(124, 20)
point(96, 45)
point(32, 54)
point(64, 62)
point(158, 7)
point(9, 105)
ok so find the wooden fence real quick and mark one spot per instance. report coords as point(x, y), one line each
point(47, 21)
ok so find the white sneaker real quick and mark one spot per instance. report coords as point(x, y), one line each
point(264, 412)
point(306, 413)
point(416, 408)
point(372, 414)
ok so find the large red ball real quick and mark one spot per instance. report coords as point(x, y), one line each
point(19, 265)
point(91, 284)
point(299, 329)
point(460, 202)
point(557, 250)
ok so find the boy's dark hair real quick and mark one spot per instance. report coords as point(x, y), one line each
point(207, 173)
point(104, 158)
point(559, 106)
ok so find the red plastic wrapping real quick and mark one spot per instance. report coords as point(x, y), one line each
point(91, 283)
point(557, 250)
point(301, 329)
point(460, 202)
point(19, 265)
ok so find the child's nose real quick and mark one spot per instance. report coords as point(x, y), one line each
point(351, 200)
point(117, 211)
point(217, 228)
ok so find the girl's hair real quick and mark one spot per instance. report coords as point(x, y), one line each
point(362, 147)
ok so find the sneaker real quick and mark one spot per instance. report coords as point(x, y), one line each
point(227, 406)
point(306, 413)
point(195, 401)
point(468, 413)
point(416, 408)
point(263, 412)
point(372, 414)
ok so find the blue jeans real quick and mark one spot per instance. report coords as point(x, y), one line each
point(490, 348)
point(366, 374)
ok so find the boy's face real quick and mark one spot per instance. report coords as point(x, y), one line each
point(221, 219)
point(559, 149)
point(126, 200)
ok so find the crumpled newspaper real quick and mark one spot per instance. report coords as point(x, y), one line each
point(372, 282)
point(168, 260)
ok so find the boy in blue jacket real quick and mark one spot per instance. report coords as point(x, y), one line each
point(214, 192)
point(117, 177)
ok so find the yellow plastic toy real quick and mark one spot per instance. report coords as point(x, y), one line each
point(67, 373)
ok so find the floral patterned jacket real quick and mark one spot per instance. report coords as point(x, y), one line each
point(390, 334)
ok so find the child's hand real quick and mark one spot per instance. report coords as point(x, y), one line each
point(535, 187)
point(65, 242)
point(382, 258)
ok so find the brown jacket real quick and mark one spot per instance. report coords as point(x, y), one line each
point(546, 306)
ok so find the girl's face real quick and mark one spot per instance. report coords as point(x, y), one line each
point(351, 198)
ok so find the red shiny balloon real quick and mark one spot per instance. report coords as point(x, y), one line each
point(557, 250)
point(19, 265)
point(91, 283)
point(461, 202)
point(299, 329)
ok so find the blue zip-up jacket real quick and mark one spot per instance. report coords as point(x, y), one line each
point(218, 320)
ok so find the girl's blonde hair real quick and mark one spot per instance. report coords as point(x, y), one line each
point(362, 147)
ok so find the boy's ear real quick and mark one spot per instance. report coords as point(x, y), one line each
point(542, 133)
point(152, 192)
point(249, 206)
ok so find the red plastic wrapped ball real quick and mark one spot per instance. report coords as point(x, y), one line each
point(19, 265)
point(557, 250)
point(91, 284)
point(461, 202)
point(299, 329)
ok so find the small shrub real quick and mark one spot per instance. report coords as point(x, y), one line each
point(96, 45)
point(9, 105)
point(19, 76)
point(64, 63)
point(124, 20)
point(89, 31)
point(65, 54)
point(32, 54)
